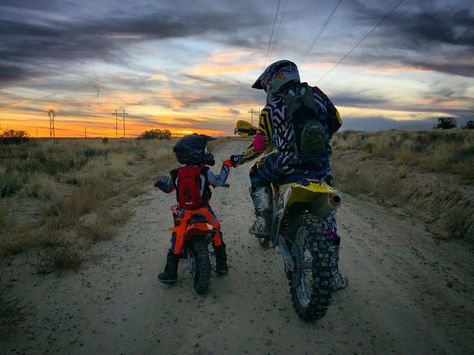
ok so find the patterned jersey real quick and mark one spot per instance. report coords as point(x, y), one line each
point(279, 133)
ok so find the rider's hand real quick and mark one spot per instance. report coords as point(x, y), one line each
point(160, 179)
point(227, 163)
point(236, 160)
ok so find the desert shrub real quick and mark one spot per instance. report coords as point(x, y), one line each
point(445, 123)
point(369, 147)
point(97, 230)
point(39, 185)
point(469, 125)
point(155, 134)
point(10, 183)
point(13, 136)
point(64, 257)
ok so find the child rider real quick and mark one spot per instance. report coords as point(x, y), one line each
point(192, 184)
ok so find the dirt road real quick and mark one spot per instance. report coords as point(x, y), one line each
point(406, 294)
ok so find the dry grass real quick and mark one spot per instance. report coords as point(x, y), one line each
point(437, 150)
point(11, 313)
point(58, 195)
point(429, 174)
point(49, 187)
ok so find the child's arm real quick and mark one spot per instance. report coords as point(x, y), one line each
point(219, 180)
point(164, 183)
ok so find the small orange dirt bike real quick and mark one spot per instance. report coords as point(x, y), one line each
point(199, 235)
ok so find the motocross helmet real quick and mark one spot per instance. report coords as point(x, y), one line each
point(192, 149)
point(276, 76)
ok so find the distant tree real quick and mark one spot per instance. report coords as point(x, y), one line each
point(105, 140)
point(469, 125)
point(155, 134)
point(445, 123)
point(13, 136)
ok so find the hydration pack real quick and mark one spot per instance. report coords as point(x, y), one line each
point(192, 187)
point(310, 133)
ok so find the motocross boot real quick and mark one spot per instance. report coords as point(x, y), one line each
point(339, 281)
point(262, 201)
point(170, 275)
point(221, 260)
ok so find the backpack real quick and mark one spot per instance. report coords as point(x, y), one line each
point(191, 187)
point(310, 133)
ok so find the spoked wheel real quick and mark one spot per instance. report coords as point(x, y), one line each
point(201, 268)
point(310, 282)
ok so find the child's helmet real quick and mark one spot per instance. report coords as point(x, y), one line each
point(192, 149)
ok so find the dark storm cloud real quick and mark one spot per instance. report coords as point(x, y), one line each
point(380, 123)
point(25, 40)
point(429, 35)
point(357, 100)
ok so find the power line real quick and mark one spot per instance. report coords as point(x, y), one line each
point(271, 36)
point(279, 25)
point(362, 40)
point(316, 38)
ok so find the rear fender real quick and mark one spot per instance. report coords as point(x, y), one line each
point(200, 231)
point(317, 197)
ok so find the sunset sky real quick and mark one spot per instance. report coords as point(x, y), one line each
point(188, 66)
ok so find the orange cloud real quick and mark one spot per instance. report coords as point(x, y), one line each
point(212, 69)
point(223, 63)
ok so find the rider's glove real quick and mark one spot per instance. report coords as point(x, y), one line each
point(227, 163)
point(160, 180)
point(236, 160)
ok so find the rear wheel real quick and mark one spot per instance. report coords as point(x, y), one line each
point(202, 268)
point(310, 282)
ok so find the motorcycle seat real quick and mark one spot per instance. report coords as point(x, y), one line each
point(197, 218)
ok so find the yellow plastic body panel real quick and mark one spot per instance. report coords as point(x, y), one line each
point(245, 129)
point(311, 193)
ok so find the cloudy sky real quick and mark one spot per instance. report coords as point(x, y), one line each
point(188, 65)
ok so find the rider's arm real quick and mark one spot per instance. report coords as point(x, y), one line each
point(219, 180)
point(262, 139)
point(164, 183)
point(334, 119)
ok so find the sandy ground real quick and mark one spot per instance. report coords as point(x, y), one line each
point(407, 294)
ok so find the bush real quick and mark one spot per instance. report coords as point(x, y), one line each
point(13, 136)
point(155, 134)
point(9, 184)
point(445, 123)
point(469, 125)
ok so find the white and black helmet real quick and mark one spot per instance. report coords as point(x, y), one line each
point(276, 76)
point(192, 149)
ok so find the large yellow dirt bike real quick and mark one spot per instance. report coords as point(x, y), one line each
point(297, 228)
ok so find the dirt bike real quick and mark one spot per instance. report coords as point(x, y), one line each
point(199, 235)
point(297, 228)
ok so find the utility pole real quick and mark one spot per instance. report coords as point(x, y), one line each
point(116, 123)
point(85, 132)
point(252, 111)
point(52, 133)
point(123, 120)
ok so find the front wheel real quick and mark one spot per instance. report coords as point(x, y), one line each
point(201, 268)
point(310, 282)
